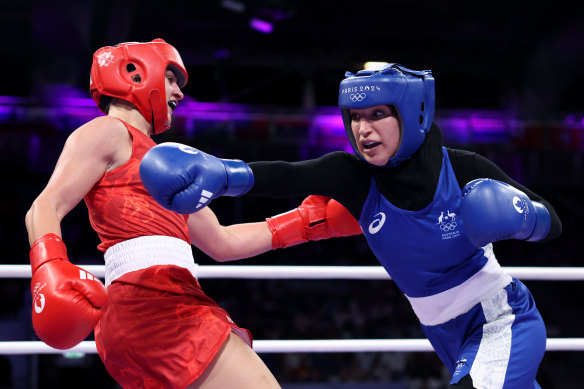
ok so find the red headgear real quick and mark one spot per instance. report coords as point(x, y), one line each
point(135, 72)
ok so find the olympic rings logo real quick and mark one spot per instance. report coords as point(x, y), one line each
point(448, 226)
point(357, 97)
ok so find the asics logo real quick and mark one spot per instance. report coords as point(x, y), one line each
point(188, 149)
point(357, 97)
point(377, 223)
point(204, 199)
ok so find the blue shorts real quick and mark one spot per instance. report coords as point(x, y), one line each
point(500, 342)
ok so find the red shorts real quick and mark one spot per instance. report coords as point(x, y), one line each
point(160, 330)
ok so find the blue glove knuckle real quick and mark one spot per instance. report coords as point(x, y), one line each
point(184, 179)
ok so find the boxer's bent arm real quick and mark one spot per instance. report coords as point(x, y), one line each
point(469, 166)
point(228, 243)
point(87, 155)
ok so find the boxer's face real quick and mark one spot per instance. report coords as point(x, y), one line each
point(173, 92)
point(377, 133)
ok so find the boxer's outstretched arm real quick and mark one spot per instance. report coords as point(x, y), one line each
point(228, 243)
point(317, 218)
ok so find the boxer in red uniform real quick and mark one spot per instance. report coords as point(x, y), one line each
point(154, 326)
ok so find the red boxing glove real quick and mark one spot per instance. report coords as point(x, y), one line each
point(66, 300)
point(318, 217)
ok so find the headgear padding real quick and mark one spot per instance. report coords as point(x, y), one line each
point(411, 92)
point(136, 72)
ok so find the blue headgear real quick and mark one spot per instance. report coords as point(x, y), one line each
point(411, 92)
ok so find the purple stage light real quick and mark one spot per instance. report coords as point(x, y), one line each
point(462, 127)
point(12, 100)
point(575, 121)
point(329, 124)
point(261, 25)
point(212, 111)
point(323, 127)
point(222, 53)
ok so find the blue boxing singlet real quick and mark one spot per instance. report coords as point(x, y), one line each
point(427, 254)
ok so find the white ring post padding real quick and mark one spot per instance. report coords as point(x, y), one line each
point(318, 272)
point(294, 346)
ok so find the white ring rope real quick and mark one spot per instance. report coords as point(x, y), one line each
point(318, 272)
point(295, 346)
point(306, 272)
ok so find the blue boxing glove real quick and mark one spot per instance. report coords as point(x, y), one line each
point(184, 179)
point(492, 210)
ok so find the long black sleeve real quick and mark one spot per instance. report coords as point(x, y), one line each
point(410, 186)
point(339, 175)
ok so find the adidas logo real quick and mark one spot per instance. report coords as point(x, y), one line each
point(204, 199)
point(87, 276)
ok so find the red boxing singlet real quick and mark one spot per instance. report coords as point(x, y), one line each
point(159, 329)
point(120, 208)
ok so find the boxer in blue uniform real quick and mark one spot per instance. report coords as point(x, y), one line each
point(429, 213)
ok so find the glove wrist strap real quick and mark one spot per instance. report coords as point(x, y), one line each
point(287, 229)
point(542, 223)
point(46, 248)
point(239, 177)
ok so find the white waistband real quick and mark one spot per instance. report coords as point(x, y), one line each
point(145, 251)
point(444, 306)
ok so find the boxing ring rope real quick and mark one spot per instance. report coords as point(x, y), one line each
point(307, 272)
point(318, 272)
point(295, 346)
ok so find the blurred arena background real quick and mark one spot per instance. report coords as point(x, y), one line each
point(263, 84)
